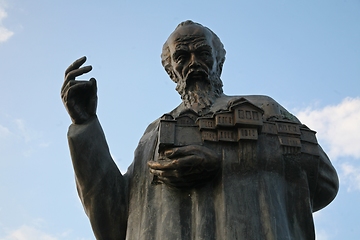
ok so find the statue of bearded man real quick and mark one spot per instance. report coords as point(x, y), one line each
point(216, 167)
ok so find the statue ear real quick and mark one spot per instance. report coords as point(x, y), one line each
point(219, 68)
point(171, 74)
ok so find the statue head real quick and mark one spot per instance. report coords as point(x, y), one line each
point(193, 56)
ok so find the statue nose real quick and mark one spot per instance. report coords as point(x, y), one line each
point(194, 61)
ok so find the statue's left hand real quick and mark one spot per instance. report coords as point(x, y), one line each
point(79, 97)
point(186, 166)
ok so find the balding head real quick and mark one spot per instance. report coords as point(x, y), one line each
point(193, 56)
point(186, 31)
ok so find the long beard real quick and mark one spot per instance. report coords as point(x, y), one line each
point(199, 95)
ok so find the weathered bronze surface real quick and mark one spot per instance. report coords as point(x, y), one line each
point(216, 167)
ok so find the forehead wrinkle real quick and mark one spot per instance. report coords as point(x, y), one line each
point(204, 45)
point(182, 43)
point(189, 39)
point(179, 47)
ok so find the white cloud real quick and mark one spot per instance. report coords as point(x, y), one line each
point(17, 134)
point(5, 33)
point(4, 132)
point(337, 126)
point(322, 235)
point(28, 233)
point(350, 176)
point(34, 231)
point(24, 132)
point(6, 138)
point(29, 138)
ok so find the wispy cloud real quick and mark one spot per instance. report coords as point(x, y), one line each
point(28, 233)
point(7, 137)
point(4, 132)
point(322, 235)
point(35, 230)
point(24, 132)
point(338, 127)
point(17, 134)
point(5, 33)
point(350, 176)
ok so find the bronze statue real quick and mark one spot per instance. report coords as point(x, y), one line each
point(216, 167)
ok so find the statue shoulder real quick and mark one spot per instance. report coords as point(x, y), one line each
point(152, 126)
point(150, 132)
point(272, 109)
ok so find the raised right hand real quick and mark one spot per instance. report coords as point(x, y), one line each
point(79, 97)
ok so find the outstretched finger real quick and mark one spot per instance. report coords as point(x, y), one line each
point(169, 173)
point(77, 72)
point(181, 151)
point(182, 180)
point(177, 174)
point(185, 161)
point(75, 64)
point(162, 164)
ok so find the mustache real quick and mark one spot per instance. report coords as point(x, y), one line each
point(197, 74)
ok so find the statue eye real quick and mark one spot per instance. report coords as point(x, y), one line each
point(205, 54)
point(180, 58)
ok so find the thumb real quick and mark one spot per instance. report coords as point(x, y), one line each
point(93, 81)
point(93, 84)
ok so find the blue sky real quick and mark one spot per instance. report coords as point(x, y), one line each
point(304, 54)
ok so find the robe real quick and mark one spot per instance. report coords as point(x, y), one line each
point(265, 190)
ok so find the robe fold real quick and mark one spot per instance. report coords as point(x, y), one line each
point(261, 192)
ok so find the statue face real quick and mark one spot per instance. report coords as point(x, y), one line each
point(192, 54)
